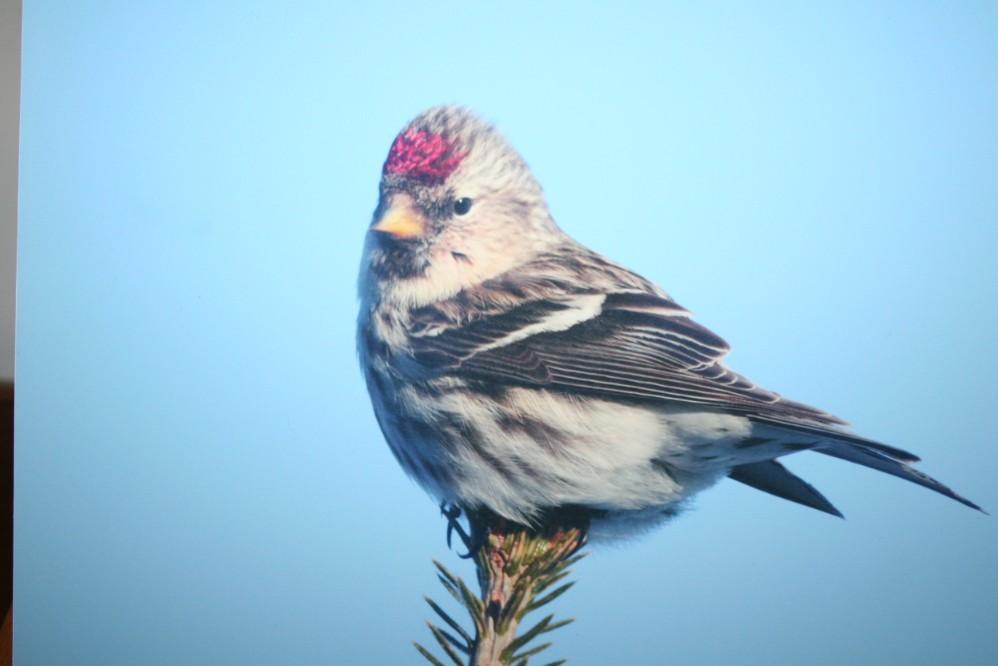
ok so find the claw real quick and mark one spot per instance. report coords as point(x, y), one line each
point(453, 514)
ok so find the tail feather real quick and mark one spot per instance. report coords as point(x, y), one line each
point(875, 459)
point(835, 433)
point(771, 477)
point(835, 442)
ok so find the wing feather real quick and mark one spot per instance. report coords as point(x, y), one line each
point(628, 344)
point(634, 346)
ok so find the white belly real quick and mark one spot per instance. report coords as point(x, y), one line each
point(526, 450)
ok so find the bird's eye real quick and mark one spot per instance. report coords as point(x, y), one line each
point(462, 206)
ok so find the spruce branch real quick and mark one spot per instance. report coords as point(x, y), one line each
point(516, 566)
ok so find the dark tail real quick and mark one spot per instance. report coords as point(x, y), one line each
point(868, 457)
point(834, 442)
point(771, 477)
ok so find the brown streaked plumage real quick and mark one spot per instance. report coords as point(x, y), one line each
point(511, 368)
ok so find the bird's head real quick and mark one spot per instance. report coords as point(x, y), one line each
point(457, 205)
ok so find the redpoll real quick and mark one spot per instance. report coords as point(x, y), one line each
point(514, 370)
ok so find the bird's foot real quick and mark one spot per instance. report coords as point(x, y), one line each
point(453, 514)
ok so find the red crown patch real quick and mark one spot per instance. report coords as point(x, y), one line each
point(422, 155)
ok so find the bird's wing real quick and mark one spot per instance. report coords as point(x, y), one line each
point(634, 346)
point(625, 345)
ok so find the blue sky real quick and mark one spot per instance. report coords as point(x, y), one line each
point(200, 479)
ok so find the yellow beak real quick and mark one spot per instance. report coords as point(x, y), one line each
point(401, 220)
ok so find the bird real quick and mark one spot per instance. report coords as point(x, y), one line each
point(512, 369)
